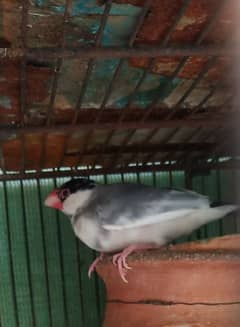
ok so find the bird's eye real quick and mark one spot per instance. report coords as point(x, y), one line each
point(63, 194)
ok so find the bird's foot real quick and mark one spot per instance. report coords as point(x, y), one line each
point(94, 264)
point(119, 259)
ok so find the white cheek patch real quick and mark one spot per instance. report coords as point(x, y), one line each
point(75, 201)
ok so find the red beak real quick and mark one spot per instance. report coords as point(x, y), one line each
point(53, 201)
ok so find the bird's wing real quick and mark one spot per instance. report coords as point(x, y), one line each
point(128, 206)
point(125, 223)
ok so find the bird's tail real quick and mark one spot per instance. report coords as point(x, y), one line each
point(220, 203)
point(215, 213)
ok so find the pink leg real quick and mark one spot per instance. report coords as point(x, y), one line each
point(94, 264)
point(119, 259)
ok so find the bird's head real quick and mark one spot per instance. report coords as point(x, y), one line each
point(71, 195)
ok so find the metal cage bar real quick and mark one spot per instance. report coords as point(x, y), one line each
point(230, 164)
point(209, 25)
point(146, 71)
point(59, 63)
point(152, 61)
point(132, 38)
point(87, 76)
point(146, 119)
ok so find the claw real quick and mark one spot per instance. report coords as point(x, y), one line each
point(91, 269)
point(125, 265)
point(122, 271)
point(94, 265)
point(122, 257)
point(115, 258)
point(119, 259)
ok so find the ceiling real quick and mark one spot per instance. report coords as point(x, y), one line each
point(115, 86)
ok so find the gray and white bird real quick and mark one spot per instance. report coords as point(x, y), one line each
point(123, 218)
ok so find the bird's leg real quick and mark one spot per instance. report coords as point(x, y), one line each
point(119, 259)
point(94, 264)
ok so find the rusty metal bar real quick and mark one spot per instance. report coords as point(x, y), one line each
point(23, 86)
point(217, 149)
point(185, 157)
point(84, 86)
point(205, 99)
point(124, 143)
point(136, 29)
point(23, 80)
point(116, 74)
point(221, 139)
point(110, 133)
point(155, 101)
point(107, 141)
point(211, 133)
point(182, 158)
point(210, 24)
point(121, 61)
point(149, 148)
point(90, 66)
point(87, 76)
point(119, 52)
point(152, 61)
point(147, 70)
point(103, 23)
point(63, 128)
point(149, 110)
point(59, 63)
point(91, 62)
point(231, 164)
point(231, 108)
point(139, 22)
point(24, 22)
point(224, 108)
point(109, 90)
point(182, 63)
point(146, 142)
point(2, 159)
point(23, 108)
point(214, 132)
point(54, 91)
point(209, 64)
point(23, 90)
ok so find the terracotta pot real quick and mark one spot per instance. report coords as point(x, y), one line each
point(194, 284)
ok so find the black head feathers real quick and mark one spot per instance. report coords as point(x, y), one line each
point(78, 184)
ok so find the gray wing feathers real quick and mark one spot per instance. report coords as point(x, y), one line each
point(125, 205)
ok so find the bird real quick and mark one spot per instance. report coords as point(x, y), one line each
point(119, 219)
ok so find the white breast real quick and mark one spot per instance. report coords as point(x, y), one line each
point(87, 231)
